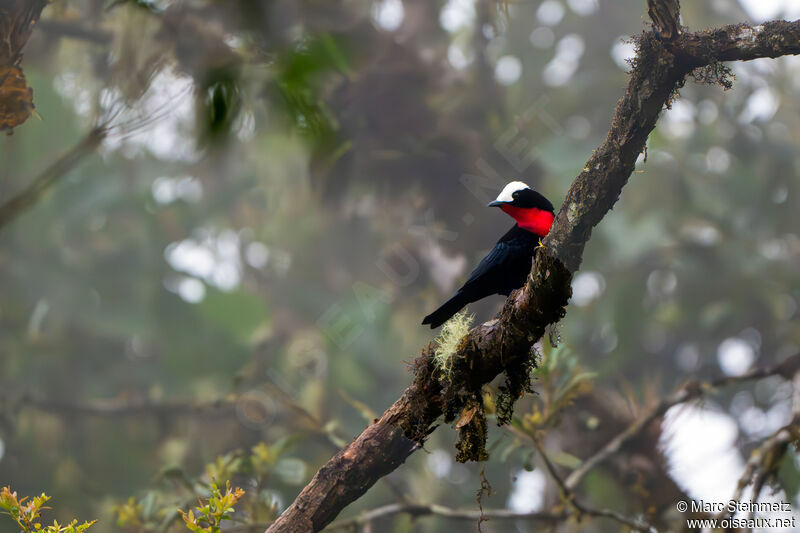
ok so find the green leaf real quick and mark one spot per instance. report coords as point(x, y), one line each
point(239, 313)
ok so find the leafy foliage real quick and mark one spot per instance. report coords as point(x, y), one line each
point(156, 508)
point(26, 513)
point(560, 381)
point(209, 516)
point(300, 72)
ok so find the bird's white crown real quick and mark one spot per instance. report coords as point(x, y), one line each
point(511, 188)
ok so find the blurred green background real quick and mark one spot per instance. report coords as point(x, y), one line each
point(290, 186)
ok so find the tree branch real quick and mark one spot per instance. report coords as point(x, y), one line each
point(298, 416)
point(765, 460)
point(16, 205)
point(75, 30)
point(17, 19)
point(489, 349)
point(418, 510)
point(740, 42)
point(687, 392)
point(665, 15)
point(118, 408)
point(581, 509)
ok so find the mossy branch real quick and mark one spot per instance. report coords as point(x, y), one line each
point(503, 344)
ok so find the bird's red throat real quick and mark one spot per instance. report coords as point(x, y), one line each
point(534, 220)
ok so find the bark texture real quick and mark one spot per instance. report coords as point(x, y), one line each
point(665, 57)
point(17, 18)
point(665, 15)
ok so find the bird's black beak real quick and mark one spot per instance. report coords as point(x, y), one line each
point(496, 204)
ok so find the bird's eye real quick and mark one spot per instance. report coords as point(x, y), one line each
point(515, 194)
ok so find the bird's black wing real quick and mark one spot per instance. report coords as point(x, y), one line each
point(517, 243)
point(502, 270)
point(494, 260)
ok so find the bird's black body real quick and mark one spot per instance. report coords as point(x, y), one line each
point(502, 270)
point(507, 265)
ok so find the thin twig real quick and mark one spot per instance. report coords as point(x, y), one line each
point(221, 408)
point(113, 408)
point(75, 30)
point(569, 496)
point(686, 392)
point(418, 510)
point(16, 205)
point(765, 459)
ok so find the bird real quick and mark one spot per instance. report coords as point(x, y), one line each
point(507, 265)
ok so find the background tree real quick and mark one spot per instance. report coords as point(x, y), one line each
point(283, 189)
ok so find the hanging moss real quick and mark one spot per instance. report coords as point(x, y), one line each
point(449, 383)
point(715, 74)
point(472, 430)
point(453, 331)
point(517, 383)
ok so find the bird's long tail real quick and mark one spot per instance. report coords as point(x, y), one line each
point(448, 309)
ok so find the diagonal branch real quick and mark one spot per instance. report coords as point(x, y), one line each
point(686, 393)
point(568, 495)
point(17, 204)
point(765, 460)
point(487, 350)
